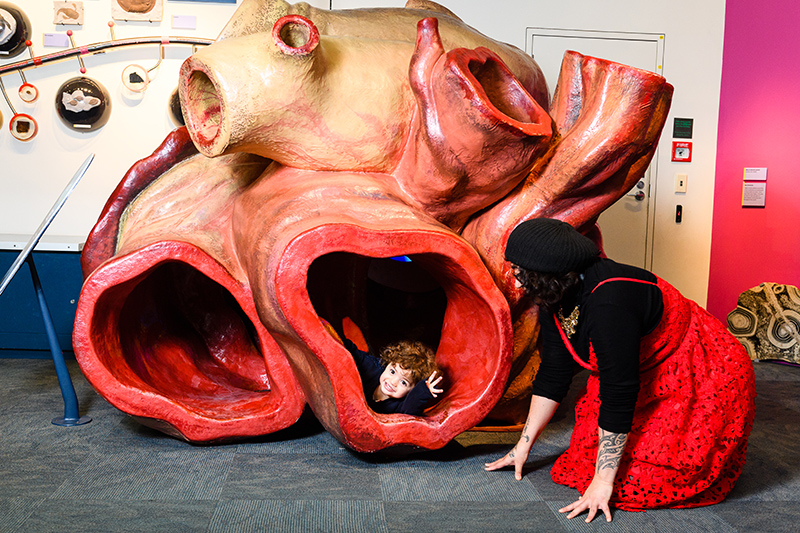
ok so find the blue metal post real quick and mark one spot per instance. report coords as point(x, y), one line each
point(71, 415)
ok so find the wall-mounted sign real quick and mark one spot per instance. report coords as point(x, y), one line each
point(184, 22)
point(682, 128)
point(681, 151)
point(754, 194)
point(755, 174)
point(56, 40)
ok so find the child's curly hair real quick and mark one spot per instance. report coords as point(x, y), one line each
point(413, 356)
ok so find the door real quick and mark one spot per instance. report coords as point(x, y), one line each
point(627, 226)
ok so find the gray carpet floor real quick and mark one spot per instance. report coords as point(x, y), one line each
point(115, 475)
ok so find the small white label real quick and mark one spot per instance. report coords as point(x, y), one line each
point(184, 22)
point(56, 40)
point(755, 174)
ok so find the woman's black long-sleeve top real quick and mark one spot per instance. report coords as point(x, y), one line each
point(613, 319)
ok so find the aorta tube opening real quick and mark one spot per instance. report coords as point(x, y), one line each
point(504, 91)
point(295, 35)
point(203, 107)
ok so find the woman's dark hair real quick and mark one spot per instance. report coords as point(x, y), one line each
point(545, 289)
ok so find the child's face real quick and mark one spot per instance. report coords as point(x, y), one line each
point(395, 381)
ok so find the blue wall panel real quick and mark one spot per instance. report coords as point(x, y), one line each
point(21, 326)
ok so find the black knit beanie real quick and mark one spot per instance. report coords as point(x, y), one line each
point(551, 246)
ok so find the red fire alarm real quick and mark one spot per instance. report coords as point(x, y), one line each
point(681, 151)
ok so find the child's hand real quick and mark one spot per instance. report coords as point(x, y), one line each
point(431, 382)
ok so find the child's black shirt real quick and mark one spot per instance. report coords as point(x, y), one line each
point(370, 369)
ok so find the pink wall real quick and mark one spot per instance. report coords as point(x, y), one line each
point(759, 126)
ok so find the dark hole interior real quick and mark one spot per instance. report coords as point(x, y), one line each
point(390, 300)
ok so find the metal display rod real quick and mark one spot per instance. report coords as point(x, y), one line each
point(90, 49)
point(71, 415)
point(34, 240)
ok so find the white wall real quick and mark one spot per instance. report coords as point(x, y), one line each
point(32, 174)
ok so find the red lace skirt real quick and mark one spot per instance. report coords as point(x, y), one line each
point(693, 416)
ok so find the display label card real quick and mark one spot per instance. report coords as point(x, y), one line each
point(56, 40)
point(755, 174)
point(754, 194)
point(184, 22)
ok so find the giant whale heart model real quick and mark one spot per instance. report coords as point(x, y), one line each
point(319, 147)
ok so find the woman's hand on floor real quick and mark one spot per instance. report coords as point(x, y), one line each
point(517, 457)
point(594, 499)
point(539, 414)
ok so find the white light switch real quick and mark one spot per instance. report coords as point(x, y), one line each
point(680, 182)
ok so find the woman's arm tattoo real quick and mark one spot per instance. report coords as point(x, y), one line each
point(609, 449)
point(524, 431)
